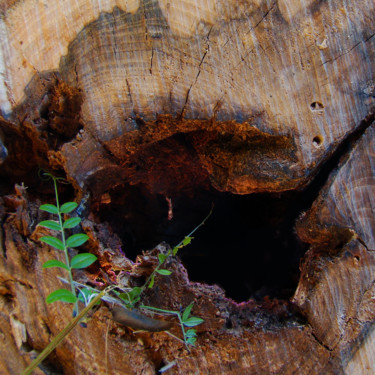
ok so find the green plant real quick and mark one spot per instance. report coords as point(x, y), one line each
point(133, 296)
point(78, 261)
point(127, 297)
point(62, 334)
point(185, 320)
point(130, 297)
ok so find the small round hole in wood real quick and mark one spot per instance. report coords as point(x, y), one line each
point(317, 141)
point(316, 106)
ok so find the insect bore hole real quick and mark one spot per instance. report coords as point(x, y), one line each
point(316, 106)
point(317, 140)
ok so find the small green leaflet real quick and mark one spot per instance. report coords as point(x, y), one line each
point(191, 333)
point(175, 250)
point(68, 207)
point(135, 292)
point(162, 258)
point(164, 272)
point(187, 311)
point(132, 296)
point(55, 263)
point(191, 341)
point(83, 260)
point(124, 297)
point(62, 295)
point(191, 336)
point(76, 240)
point(52, 241)
point(71, 222)
point(186, 241)
point(52, 209)
point(50, 224)
point(152, 281)
point(192, 321)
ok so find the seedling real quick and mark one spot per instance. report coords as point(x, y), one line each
point(79, 261)
point(185, 320)
point(128, 297)
point(171, 252)
point(62, 334)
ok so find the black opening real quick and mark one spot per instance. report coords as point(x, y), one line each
point(248, 245)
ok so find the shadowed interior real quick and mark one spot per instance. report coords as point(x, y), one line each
point(247, 246)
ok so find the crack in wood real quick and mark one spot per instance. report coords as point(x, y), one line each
point(129, 93)
point(320, 342)
point(199, 72)
point(256, 25)
point(152, 58)
point(347, 51)
point(264, 16)
point(114, 30)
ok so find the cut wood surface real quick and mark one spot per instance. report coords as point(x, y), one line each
point(174, 96)
point(301, 70)
point(264, 338)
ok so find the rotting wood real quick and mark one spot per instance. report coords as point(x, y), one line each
point(263, 92)
point(241, 63)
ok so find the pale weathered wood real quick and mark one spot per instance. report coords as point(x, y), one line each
point(336, 289)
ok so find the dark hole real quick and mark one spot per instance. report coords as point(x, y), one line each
point(317, 140)
point(316, 106)
point(247, 246)
point(44, 111)
point(228, 324)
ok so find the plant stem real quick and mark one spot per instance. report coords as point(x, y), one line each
point(172, 313)
point(61, 335)
point(179, 245)
point(67, 261)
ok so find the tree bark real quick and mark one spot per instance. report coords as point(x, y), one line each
point(246, 97)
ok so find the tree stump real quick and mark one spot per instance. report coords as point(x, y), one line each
point(154, 110)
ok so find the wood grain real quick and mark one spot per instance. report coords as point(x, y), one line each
point(336, 288)
point(249, 96)
point(309, 78)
